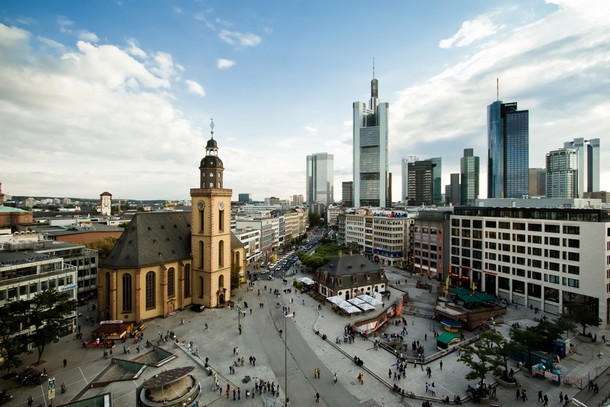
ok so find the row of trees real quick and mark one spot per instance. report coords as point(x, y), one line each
point(492, 352)
point(39, 321)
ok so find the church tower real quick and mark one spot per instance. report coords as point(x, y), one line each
point(211, 232)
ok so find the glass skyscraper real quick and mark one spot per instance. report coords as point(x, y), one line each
point(371, 154)
point(320, 179)
point(508, 151)
point(469, 174)
point(588, 164)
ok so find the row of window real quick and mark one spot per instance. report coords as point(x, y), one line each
point(533, 227)
point(34, 287)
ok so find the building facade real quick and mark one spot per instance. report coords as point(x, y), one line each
point(347, 194)
point(537, 182)
point(319, 183)
point(469, 177)
point(371, 152)
point(508, 151)
point(421, 183)
point(562, 173)
point(429, 243)
point(404, 172)
point(541, 257)
point(588, 164)
point(106, 203)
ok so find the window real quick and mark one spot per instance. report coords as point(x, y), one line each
point(571, 230)
point(221, 253)
point(492, 224)
point(127, 290)
point(201, 218)
point(534, 227)
point(221, 281)
point(150, 290)
point(504, 225)
point(551, 228)
point(187, 280)
point(171, 283)
point(201, 254)
point(201, 287)
point(221, 219)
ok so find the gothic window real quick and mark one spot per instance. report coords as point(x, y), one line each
point(221, 281)
point(221, 250)
point(201, 287)
point(171, 283)
point(187, 280)
point(150, 290)
point(201, 254)
point(127, 307)
point(201, 224)
point(221, 220)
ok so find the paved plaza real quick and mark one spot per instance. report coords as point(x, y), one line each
point(292, 368)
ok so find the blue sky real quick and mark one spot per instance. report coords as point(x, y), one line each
point(117, 95)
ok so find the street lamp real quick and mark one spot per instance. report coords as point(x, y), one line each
point(286, 316)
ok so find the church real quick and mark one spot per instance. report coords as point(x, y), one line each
point(167, 261)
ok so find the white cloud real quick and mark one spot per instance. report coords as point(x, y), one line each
point(194, 87)
point(65, 24)
point(87, 36)
point(471, 31)
point(311, 130)
point(238, 38)
point(224, 63)
point(134, 49)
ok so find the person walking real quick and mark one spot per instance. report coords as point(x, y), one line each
point(317, 397)
point(65, 362)
point(335, 378)
point(540, 396)
point(30, 400)
point(546, 400)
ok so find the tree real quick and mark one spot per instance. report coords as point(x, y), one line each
point(583, 315)
point(47, 313)
point(235, 281)
point(314, 219)
point(103, 246)
point(529, 338)
point(566, 324)
point(12, 318)
point(503, 350)
point(480, 358)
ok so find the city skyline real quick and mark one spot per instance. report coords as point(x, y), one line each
point(106, 97)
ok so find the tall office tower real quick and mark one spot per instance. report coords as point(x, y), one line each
point(371, 154)
point(562, 173)
point(469, 174)
point(437, 180)
point(404, 162)
point(454, 190)
point(347, 193)
point(421, 183)
point(537, 182)
point(320, 182)
point(588, 164)
point(507, 151)
point(297, 199)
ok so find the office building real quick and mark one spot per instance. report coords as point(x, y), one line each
point(297, 200)
point(588, 164)
point(437, 180)
point(244, 198)
point(429, 243)
point(371, 153)
point(404, 167)
point(453, 193)
point(537, 182)
point(508, 151)
point(106, 203)
point(562, 173)
point(544, 257)
point(319, 185)
point(469, 177)
point(421, 183)
point(347, 194)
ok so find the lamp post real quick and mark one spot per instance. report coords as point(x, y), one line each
point(287, 400)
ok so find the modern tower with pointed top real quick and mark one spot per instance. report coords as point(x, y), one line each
point(371, 153)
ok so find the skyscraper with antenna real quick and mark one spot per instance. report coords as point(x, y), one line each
point(371, 152)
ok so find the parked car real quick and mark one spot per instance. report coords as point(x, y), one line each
point(270, 277)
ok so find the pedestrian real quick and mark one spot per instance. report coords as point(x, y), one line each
point(546, 400)
point(205, 327)
point(317, 397)
point(561, 397)
point(441, 364)
point(523, 395)
point(389, 373)
point(517, 394)
point(540, 396)
point(30, 400)
point(65, 362)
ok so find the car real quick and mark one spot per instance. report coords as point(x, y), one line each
point(270, 277)
point(197, 307)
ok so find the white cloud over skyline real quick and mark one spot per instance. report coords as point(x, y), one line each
point(89, 111)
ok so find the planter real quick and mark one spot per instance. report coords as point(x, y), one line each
point(504, 383)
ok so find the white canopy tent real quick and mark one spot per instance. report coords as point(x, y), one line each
point(356, 301)
point(335, 300)
point(306, 281)
point(365, 306)
point(367, 298)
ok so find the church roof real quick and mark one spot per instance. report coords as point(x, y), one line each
point(211, 161)
point(152, 239)
point(350, 265)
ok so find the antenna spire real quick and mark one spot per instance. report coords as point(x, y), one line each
point(373, 67)
point(497, 89)
point(212, 126)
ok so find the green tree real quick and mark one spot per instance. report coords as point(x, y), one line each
point(235, 281)
point(103, 246)
point(479, 358)
point(566, 324)
point(503, 350)
point(47, 313)
point(314, 219)
point(12, 318)
point(530, 339)
point(583, 315)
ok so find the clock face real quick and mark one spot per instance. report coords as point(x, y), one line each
point(221, 205)
point(201, 205)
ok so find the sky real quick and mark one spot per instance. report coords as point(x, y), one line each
point(118, 96)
